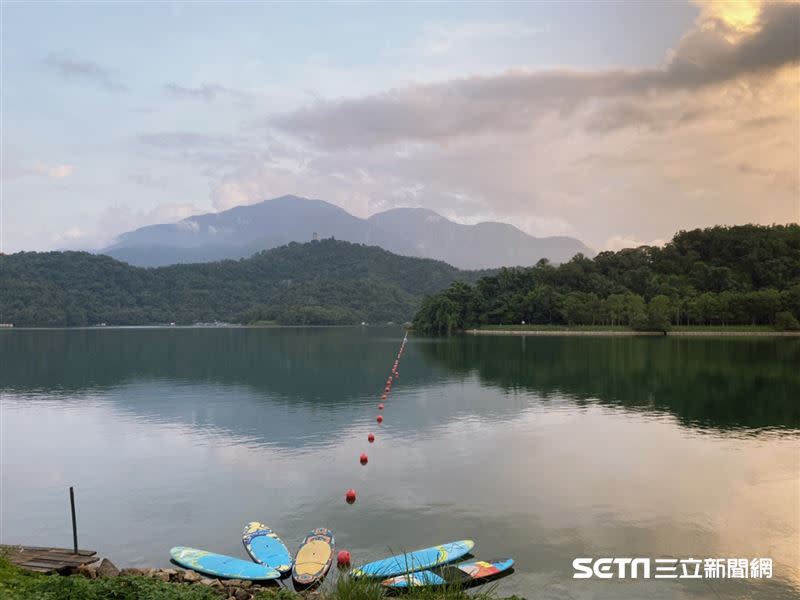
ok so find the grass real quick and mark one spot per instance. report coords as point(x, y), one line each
point(361, 588)
point(623, 328)
point(723, 328)
point(18, 584)
point(531, 327)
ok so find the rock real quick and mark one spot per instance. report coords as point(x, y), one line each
point(245, 583)
point(150, 572)
point(89, 571)
point(241, 594)
point(133, 571)
point(208, 581)
point(192, 576)
point(161, 576)
point(107, 569)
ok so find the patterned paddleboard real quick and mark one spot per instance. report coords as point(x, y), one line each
point(458, 574)
point(265, 547)
point(414, 561)
point(314, 558)
point(220, 565)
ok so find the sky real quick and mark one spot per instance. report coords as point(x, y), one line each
point(616, 123)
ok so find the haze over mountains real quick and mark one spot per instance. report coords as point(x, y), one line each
point(244, 230)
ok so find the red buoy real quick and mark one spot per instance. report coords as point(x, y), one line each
point(379, 419)
point(380, 406)
point(383, 396)
point(371, 438)
point(350, 496)
point(364, 460)
point(343, 559)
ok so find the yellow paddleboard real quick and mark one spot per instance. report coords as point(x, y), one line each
point(314, 558)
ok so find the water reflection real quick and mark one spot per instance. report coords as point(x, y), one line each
point(543, 451)
point(710, 382)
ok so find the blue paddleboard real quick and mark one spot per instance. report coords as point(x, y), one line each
point(461, 573)
point(265, 547)
point(219, 565)
point(414, 561)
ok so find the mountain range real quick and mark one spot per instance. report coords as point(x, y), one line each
point(242, 231)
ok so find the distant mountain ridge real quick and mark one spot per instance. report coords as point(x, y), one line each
point(242, 231)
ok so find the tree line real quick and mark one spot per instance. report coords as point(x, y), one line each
point(324, 282)
point(742, 275)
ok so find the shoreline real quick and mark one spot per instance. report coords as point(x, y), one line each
point(103, 578)
point(617, 333)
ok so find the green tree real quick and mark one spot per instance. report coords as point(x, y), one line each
point(786, 321)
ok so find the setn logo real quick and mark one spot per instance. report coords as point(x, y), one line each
point(607, 568)
point(667, 568)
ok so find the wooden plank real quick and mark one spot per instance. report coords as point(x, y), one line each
point(32, 564)
point(47, 560)
point(59, 559)
point(47, 549)
point(39, 569)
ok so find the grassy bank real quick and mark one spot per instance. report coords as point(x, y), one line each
point(758, 330)
point(17, 584)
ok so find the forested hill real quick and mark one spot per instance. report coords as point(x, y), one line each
point(746, 274)
point(324, 282)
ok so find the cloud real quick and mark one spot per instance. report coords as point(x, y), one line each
point(14, 169)
point(74, 237)
point(121, 218)
point(84, 71)
point(73, 233)
point(184, 139)
point(206, 92)
point(438, 40)
point(614, 157)
point(618, 242)
point(55, 171)
point(188, 225)
point(712, 53)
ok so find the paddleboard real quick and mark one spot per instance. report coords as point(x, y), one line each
point(414, 561)
point(460, 574)
point(314, 558)
point(220, 565)
point(265, 547)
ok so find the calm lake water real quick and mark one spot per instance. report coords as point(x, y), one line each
point(544, 449)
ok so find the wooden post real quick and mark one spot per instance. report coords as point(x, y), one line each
point(74, 524)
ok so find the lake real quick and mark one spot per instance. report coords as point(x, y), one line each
point(544, 449)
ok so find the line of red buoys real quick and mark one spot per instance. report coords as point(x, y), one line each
point(350, 495)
